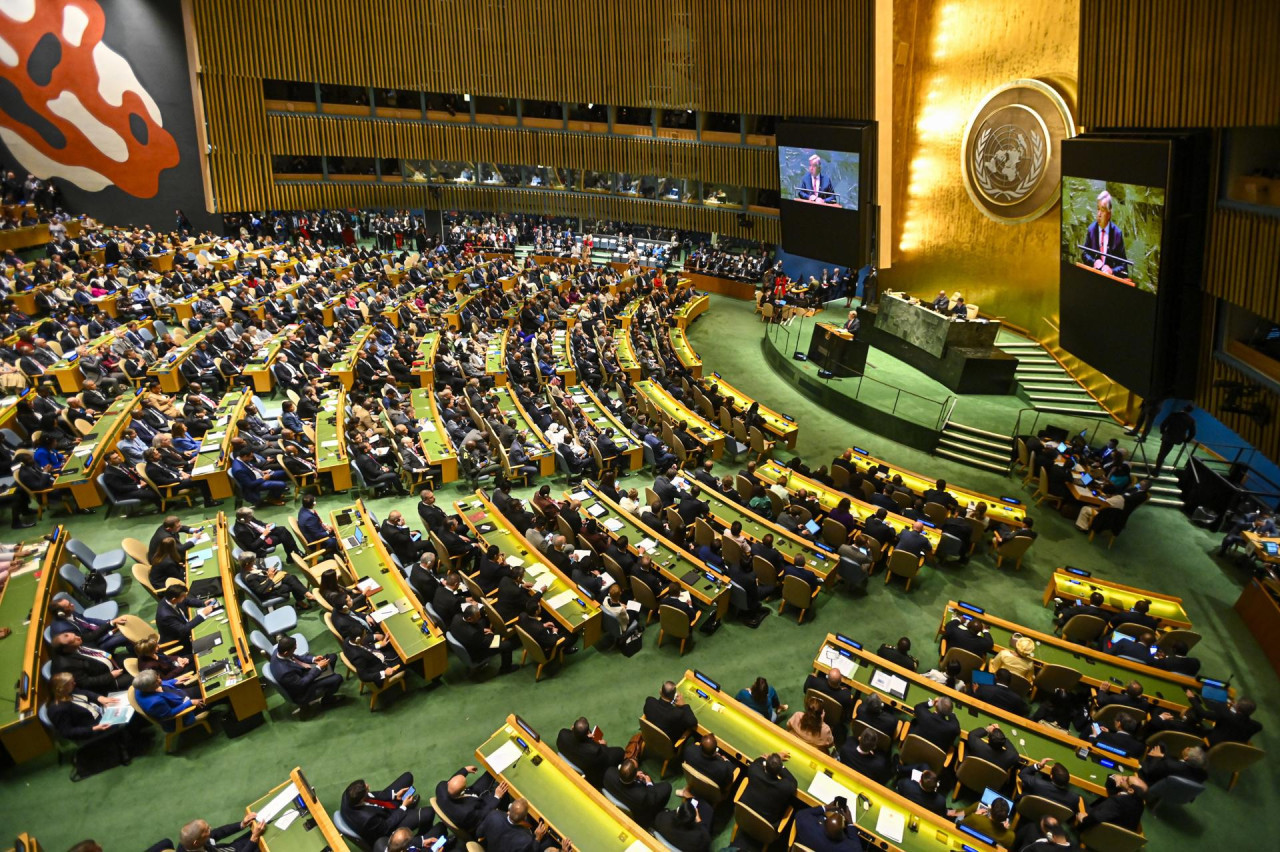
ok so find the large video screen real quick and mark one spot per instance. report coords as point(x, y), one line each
point(819, 176)
point(825, 174)
point(1114, 220)
point(1114, 230)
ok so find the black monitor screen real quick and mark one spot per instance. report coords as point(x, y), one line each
point(824, 177)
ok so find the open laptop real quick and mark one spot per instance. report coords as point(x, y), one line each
point(989, 796)
point(1085, 479)
point(357, 539)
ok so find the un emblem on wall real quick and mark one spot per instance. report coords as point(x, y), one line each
point(1008, 153)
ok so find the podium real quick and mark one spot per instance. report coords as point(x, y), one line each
point(835, 350)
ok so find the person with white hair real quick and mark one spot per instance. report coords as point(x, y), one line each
point(1104, 242)
point(815, 186)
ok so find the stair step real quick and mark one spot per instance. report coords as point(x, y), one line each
point(1038, 370)
point(1063, 409)
point(973, 442)
point(959, 446)
point(1019, 344)
point(985, 465)
point(1165, 501)
point(1064, 388)
point(1059, 379)
point(974, 430)
point(1083, 399)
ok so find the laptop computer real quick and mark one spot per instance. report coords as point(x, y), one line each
point(1214, 690)
point(989, 796)
point(1085, 479)
point(812, 527)
point(357, 539)
point(981, 678)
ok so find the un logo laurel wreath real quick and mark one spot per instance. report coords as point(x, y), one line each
point(983, 175)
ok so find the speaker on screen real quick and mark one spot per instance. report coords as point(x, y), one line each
point(825, 176)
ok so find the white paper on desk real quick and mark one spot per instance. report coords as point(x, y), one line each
point(636, 846)
point(606, 580)
point(82, 450)
point(561, 599)
point(329, 444)
point(428, 426)
point(213, 436)
point(844, 665)
point(916, 775)
point(281, 801)
point(287, 820)
point(825, 788)
point(646, 545)
point(580, 398)
point(382, 613)
point(890, 824)
point(581, 495)
point(633, 606)
point(889, 683)
point(501, 759)
point(203, 469)
point(612, 524)
point(514, 561)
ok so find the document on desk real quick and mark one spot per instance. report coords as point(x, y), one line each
point(834, 659)
point(889, 683)
point(890, 824)
point(561, 599)
point(824, 788)
point(204, 470)
point(613, 524)
point(278, 803)
point(287, 820)
point(384, 612)
point(503, 757)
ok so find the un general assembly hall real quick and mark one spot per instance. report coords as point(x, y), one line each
point(639, 425)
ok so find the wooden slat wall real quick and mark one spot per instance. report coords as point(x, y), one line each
point(1179, 63)
point(286, 195)
point(1242, 260)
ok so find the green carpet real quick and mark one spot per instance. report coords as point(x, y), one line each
point(433, 731)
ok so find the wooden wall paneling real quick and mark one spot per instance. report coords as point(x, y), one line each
point(1242, 260)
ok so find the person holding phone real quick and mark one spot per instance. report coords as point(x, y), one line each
point(687, 826)
point(374, 814)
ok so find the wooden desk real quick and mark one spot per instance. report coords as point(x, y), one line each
point(297, 837)
point(1006, 510)
point(258, 368)
point(538, 446)
point(345, 367)
point(828, 498)
point(237, 681)
point(67, 370)
point(558, 794)
point(1065, 584)
point(1258, 546)
point(1034, 741)
point(24, 605)
point(744, 735)
point(214, 461)
point(626, 353)
point(1161, 688)
point(414, 636)
point(567, 605)
point(331, 438)
point(781, 426)
point(437, 448)
point(692, 309)
point(1259, 608)
point(424, 363)
point(167, 370)
point(602, 418)
point(684, 352)
point(704, 584)
point(563, 358)
point(674, 411)
point(495, 359)
point(89, 457)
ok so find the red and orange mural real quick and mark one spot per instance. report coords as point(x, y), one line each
point(71, 107)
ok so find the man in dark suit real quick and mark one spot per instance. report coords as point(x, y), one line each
point(1123, 805)
point(1157, 766)
point(470, 628)
point(1140, 614)
point(913, 540)
point(1056, 787)
point(1176, 660)
point(826, 829)
point(374, 814)
point(261, 537)
point(687, 826)
point(1232, 722)
point(198, 836)
point(702, 754)
point(815, 186)
point(1138, 649)
point(833, 686)
point(899, 654)
point(94, 632)
point(313, 528)
point(1095, 607)
point(93, 669)
point(991, 744)
point(1000, 694)
point(510, 831)
point(669, 713)
point(936, 722)
point(1104, 242)
point(1122, 736)
point(124, 483)
point(874, 712)
point(865, 757)
point(591, 756)
point(304, 678)
point(466, 805)
point(171, 616)
point(968, 634)
point(449, 597)
point(770, 788)
point(924, 792)
point(637, 791)
point(400, 539)
point(691, 508)
point(1131, 697)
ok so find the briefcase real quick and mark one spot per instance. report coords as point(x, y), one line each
point(631, 643)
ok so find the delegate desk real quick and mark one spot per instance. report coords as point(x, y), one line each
point(818, 557)
point(167, 371)
point(684, 352)
point(781, 426)
point(437, 448)
point(331, 438)
point(539, 448)
point(883, 817)
point(495, 359)
point(571, 608)
point(628, 312)
point(556, 793)
point(602, 418)
point(562, 357)
point(214, 459)
point(1006, 510)
point(424, 362)
point(692, 309)
point(89, 457)
point(673, 412)
point(626, 353)
point(299, 822)
point(222, 660)
point(869, 674)
point(24, 601)
point(395, 607)
point(258, 368)
point(773, 472)
point(1073, 584)
point(345, 367)
point(833, 349)
point(67, 370)
point(705, 585)
point(1163, 689)
point(959, 353)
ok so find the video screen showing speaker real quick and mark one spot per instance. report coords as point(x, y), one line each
point(1114, 229)
point(1114, 223)
point(824, 172)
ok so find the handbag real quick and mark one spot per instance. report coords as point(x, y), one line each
point(631, 643)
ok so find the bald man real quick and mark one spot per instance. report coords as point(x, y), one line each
point(467, 806)
point(827, 829)
point(197, 836)
point(511, 831)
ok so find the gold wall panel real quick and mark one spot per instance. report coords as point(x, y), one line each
point(1179, 63)
point(958, 51)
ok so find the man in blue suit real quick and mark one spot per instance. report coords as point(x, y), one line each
point(304, 678)
point(258, 485)
point(1104, 243)
point(94, 632)
point(314, 529)
point(815, 186)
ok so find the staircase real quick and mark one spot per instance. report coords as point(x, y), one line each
point(1164, 488)
point(523, 251)
point(975, 447)
point(1044, 383)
